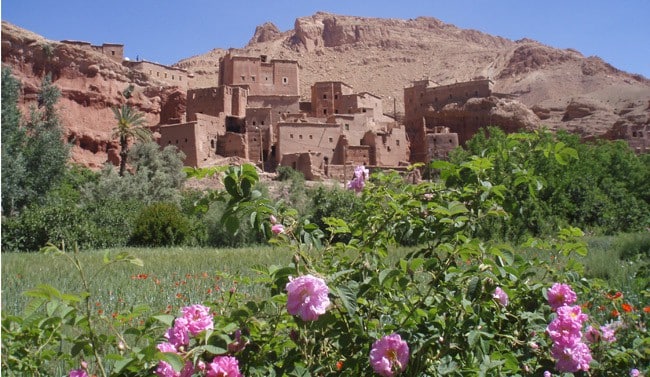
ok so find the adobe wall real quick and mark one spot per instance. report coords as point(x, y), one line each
point(114, 51)
point(326, 98)
point(440, 144)
point(216, 100)
point(389, 148)
point(184, 136)
point(232, 145)
point(169, 75)
point(424, 98)
point(307, 137)
point(636, 136)
point(198, 139)
point(358, 154)
point(354, 127)
point(311, 165)
point(260, 76)
point(279, 105)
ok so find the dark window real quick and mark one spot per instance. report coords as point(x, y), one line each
point(324, 96)
point(324, 111)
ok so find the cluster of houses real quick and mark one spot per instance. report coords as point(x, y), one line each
point(256, 113)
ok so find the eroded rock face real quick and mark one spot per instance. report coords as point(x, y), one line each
point(264, 33)
point(90, 84)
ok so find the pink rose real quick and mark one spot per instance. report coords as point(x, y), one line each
point(277, 228)
point(501, 296)
point(307, 296)
point(389, 355)
point(223, 366)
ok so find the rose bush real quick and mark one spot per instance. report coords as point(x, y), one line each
point(455, 305)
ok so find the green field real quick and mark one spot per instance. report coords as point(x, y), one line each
point(175, 277)
point(169, 279)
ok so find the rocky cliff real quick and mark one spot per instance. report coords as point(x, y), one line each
point(382, 56)
point(90, 85)
point(565, 89)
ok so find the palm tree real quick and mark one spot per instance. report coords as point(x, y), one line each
point(130, 124)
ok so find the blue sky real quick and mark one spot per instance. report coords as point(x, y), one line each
point(167, 31)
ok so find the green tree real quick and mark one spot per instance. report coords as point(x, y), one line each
point(34, 155)
point(130, 125)
point(13, 140)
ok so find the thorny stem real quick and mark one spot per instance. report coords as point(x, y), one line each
point(91, 331)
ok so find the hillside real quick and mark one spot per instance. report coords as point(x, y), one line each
point(382, 56)
point(564, 88)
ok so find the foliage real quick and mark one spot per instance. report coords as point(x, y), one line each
point(332, 203)
point(157, 177)
point(34, 154)
point(446, 299)
point(130, 125)
point(604, 190)
point(160, 224)
point(97, 210)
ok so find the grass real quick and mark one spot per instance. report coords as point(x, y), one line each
point(169, 279)
point(175, 277)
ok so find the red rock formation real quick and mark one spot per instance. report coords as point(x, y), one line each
point(90, 85)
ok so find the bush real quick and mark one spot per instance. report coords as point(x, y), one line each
point(160, 224)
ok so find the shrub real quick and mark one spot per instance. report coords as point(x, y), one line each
point(160, 224)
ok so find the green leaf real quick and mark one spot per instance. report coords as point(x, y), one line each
point(121, 364)
point(212, 349)
point(348, 296)
point(386, 277)
point(174, 360)
point(165, 319)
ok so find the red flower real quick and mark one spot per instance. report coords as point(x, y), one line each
point(615, 313)
point(646, 309)
point(627, 307)
point(339, 365)
point(614, 296)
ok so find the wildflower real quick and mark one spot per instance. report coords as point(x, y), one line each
point(571, 358)
point(565, 329)
point(166, 347)
point(615, 296)
point(307, 297)
point(178, 335)
point(561, 294)
point(615, 313)
point(646, 309)
point(609, 331)
point(223, 366)
point(547, 373)
point(164, 369)
point(272, 219)
point(78, 373)
point(634, 373)
point(592, 335)
point(627, 307)
point(277, 229)
point(339, 365)
point(501, 296)
point(361, 174)
point(238, 344)
point(198, 318)
point(389, 355)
